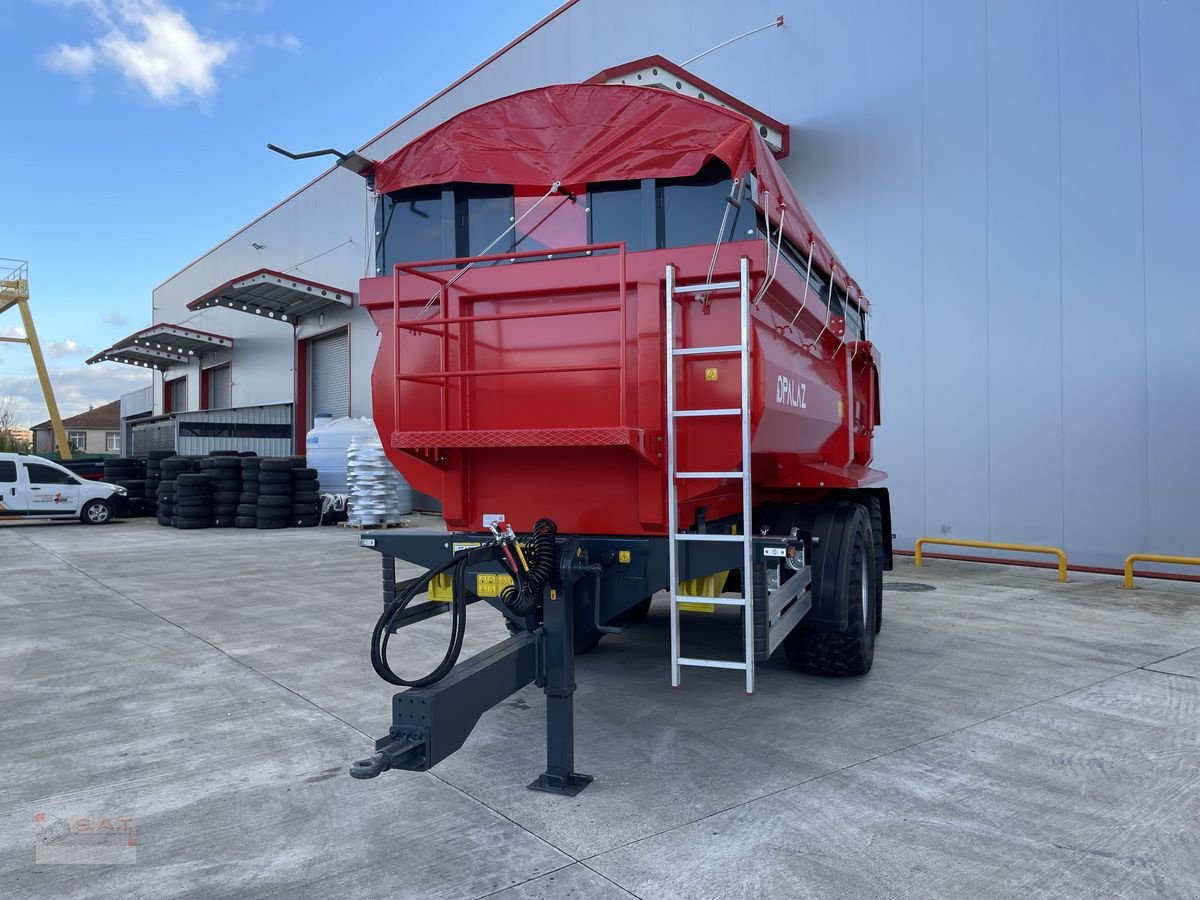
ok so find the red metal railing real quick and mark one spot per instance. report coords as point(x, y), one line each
point(439, 326)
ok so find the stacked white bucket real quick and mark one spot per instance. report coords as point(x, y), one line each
point(349, 460)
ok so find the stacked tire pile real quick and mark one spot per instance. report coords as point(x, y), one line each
point(193, 502)
point(170, 468)
point(274, 492)
point(130, 474)
point(154, 472)
point(306, 496)
point(247, 508)
point(224, 474)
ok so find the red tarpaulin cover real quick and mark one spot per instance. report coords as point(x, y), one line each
point(581, 133)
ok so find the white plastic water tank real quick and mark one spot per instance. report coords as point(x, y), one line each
point(327, 445)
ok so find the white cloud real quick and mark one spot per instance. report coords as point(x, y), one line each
point(68, 60)
point(240, 6)
point(115, 318)
point(152, 44)
point(59, 349)
point(12, 331)
point(75, 390)
point(280, 41)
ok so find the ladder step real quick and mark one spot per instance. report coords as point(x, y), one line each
point(686, 413)
point(711, 663)
point(711, 286)
point(707, 351)
point(739, 538)
point(709, 475)
point(719, 601)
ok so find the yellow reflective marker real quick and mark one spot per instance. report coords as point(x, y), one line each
point(710, 374)
point(624, 556)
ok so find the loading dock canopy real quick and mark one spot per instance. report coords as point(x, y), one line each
point(161, 345)
point(273, 295)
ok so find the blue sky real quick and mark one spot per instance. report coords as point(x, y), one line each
point(135, 133)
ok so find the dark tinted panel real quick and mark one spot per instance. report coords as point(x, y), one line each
point(485, 216)
point(47, 475)
point(691, 209)
point(411, 227)
point(8, 471)
point(617, 214)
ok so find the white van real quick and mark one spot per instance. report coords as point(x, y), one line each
point(35, 488)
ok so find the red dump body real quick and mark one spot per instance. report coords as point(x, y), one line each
point(536, 387)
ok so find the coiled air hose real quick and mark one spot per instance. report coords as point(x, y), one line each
point(537, 555)
point(458, 624)
point(524, 598)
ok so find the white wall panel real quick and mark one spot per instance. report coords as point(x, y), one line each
point(1103, 297)
point(1170, 97)
point(954, 229)
point(1024, 348)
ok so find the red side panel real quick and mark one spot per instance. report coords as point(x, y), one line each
point(537, 388)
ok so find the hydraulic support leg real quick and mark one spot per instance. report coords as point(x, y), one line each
point(558, 666)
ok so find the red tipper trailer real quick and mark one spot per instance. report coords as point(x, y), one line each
point(636, 347)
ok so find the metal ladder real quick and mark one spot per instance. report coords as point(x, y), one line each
point(742, 350)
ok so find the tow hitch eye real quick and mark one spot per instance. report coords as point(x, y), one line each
point(404, 752)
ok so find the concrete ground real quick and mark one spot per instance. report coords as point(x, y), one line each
point(206, 690)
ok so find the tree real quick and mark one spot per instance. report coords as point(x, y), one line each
point(10, 442)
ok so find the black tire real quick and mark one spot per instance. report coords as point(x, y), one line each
point(223, 521)
point(300, 474)
point(247, 454)
point(270, 523)
point(275, 464)
point(229, 498)
point(164, 521)
point(266, 476)
point(852, 651)
point(96, 512)
point(221, 454)
point(275, 490)
point(232, 461)
point(306, 521)
point(298, 462)
point(192, 479)
point(187, 522)
point(267, 501)
point(247, 509)
point(875, 511)
point(306, 497)
point(160, 455)
point(245, 522)
point(248, 497)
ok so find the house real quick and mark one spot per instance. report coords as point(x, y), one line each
point(98, 430)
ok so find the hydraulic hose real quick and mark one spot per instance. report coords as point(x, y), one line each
point(538, 555)
point(458, 624)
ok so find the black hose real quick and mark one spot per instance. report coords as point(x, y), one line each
point(458, 624)
point(539, 553)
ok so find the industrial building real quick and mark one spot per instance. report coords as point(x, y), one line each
point(1012, 185)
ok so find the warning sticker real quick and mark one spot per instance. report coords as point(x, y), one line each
point(489, 585)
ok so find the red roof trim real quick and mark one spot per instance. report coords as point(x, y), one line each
point(438, 96)
point(709, 89)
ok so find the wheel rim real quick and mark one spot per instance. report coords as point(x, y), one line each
point(98, 513)
point(865, 588)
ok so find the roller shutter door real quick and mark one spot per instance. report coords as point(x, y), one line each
point(329, 376)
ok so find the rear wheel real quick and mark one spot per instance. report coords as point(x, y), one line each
point(96, 512)
point(849, 652)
